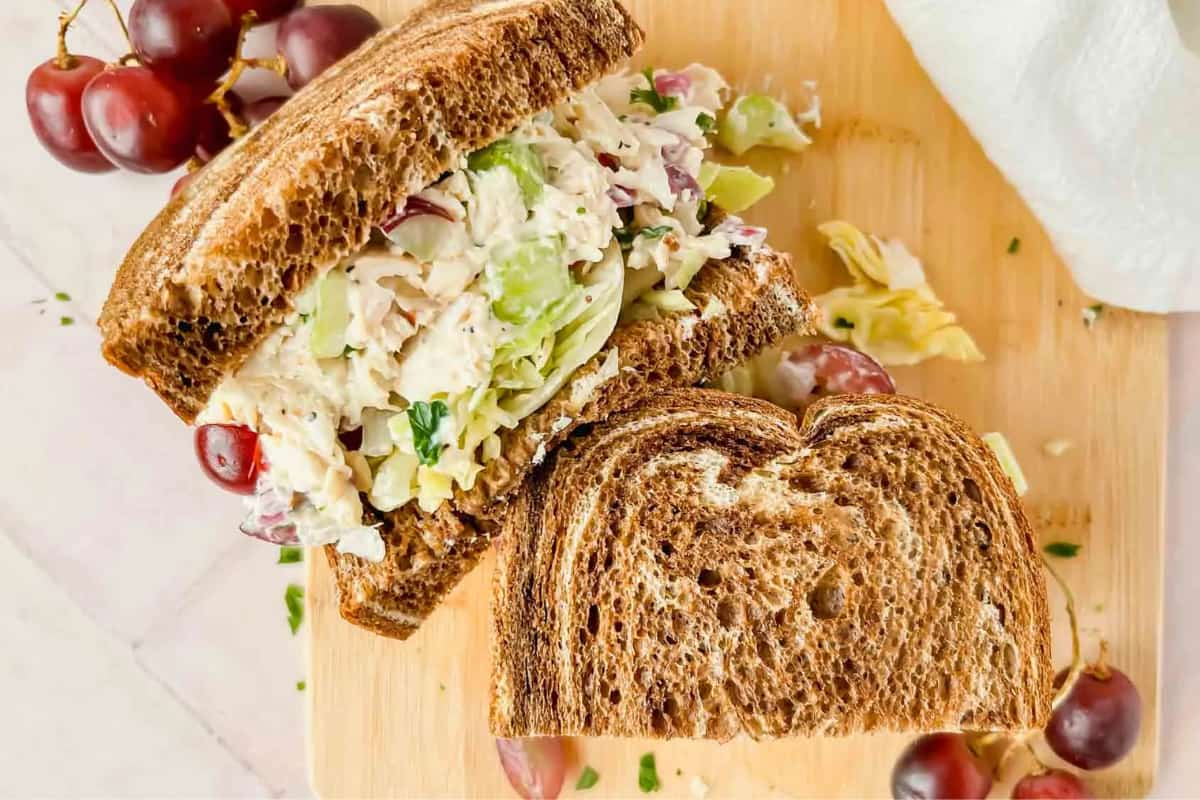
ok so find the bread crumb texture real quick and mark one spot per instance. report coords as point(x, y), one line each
point(703, 567)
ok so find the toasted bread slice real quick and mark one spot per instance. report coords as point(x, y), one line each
point(744, 304)
point(702, 566)
point(220, 266)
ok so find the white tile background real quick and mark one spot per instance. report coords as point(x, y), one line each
point(144, 649)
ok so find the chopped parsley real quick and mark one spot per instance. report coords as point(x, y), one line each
point(587, 779)
point(425, 419)
point(62, 297)
point(581, 211)
point(706, 122)
point(293, 598)
point(1014, 245)
point(651, 97)
point(348, 350)
point(842, 322)
point(301, 686)
point(65, 321)
point(1091, 314)
point(655, 231)
point(1062, 549)
point(290, 555)
point(626, 235)
point(648, 774)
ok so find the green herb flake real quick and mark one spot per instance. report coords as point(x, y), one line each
point(301, 686)
point(581, 211)
point(651, 97)
point(1091, 314)
point(62, 297)
point(290, 555)
point(655, 231)
point(348, 350)
point(424, 418)
point(648, 774)
point(706, 122)
point(65, 321)
point(842, 322)
point(624, 236)
point(1013, 246)
point(293, 598)
point(587, 779)
point(1062, 549)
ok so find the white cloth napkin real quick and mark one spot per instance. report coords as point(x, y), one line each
point(1091, 108)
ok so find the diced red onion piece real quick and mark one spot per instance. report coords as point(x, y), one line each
point(740, 234)
point(622, 197)
point(609, 160)
point(675, 83)
point(682, 183)
point(414, 207)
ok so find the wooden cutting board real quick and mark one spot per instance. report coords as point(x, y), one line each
point(410, 719)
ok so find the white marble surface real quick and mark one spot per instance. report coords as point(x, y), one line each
point(145, 650)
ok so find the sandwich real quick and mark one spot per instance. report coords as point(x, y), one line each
point(463, 242)
point(702, 566)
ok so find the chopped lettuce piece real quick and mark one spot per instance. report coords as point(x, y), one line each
point(756, 119)
point(734, 189)
point(331, 317)
point(1008, 461)
point(525, 278)
point(520, 159)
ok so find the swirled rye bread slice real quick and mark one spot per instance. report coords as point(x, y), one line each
point(217, 283)
point(702, 566)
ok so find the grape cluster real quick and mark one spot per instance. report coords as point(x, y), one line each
point(1094, 724)
point(171, 99)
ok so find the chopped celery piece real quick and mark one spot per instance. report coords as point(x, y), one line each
point(734, 189)
point(524, 278)
point(393, 485)
point(331, 317)
point(520, 159)
point(756, 119)
point(668, 300)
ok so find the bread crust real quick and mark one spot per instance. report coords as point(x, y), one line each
point(702, 566)
point(762, 304)
point(219, 267)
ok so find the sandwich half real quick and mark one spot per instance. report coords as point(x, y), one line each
point(455, 247)
point(702, 566)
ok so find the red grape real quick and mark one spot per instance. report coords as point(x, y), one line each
point(229, 454)
point(1098, 721)
point(257, 112)
point(139, 120)
point(311, 39)
point(939, 765)
point(535, 767)
point(266, 10)
point(193, 40)
point(54, 100)
point(212, 129)
point(1056, 784)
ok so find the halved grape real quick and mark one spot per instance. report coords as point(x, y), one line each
point(525, 277)
point(1055, 784)
point(756, 119)
point(521, 159)
point(733, 189)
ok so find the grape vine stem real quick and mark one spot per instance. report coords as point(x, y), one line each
point(63, 58)
point(1076, 659)
point(240, 63)
point(124, 28)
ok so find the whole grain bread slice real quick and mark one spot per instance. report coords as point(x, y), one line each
point(702, 566)
point(218, 269)
point(743, 305)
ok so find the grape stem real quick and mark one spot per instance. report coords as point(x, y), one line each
point(237, 128)
point(1076, 659)
point(63, 58)
point(124, 30)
